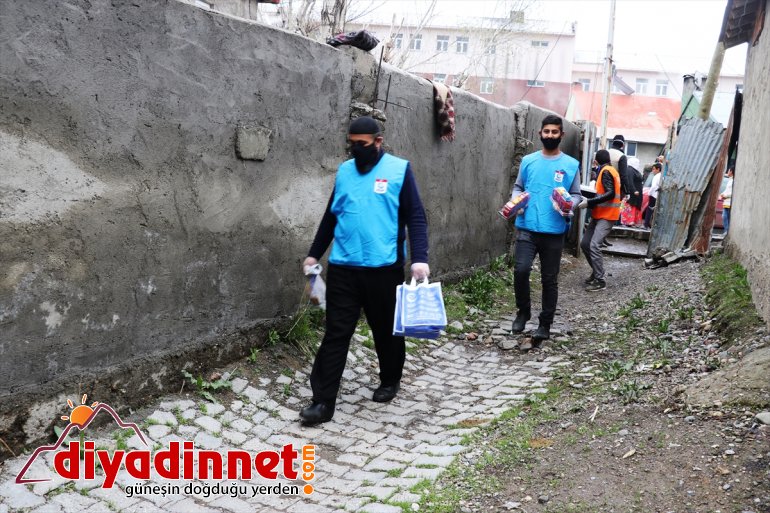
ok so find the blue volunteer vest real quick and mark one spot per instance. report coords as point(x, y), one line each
point(366, 207)
point(540, 175)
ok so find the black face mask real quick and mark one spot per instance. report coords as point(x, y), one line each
point(365, 156)
point(550, 143)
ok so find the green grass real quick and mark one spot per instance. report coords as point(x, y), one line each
point(204, 387)
point(728, 295)
point(121, 436)
point(479, 289)
point(614, 370)
point(509, 446)
point(304, 331)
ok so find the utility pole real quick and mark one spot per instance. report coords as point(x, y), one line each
point(712, 80)
point(607, 77)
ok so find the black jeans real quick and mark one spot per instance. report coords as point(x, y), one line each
point(347, 292)
point(549, 247)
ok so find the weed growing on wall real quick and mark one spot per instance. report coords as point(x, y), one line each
point(729, 296)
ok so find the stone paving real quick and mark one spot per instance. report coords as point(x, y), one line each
point(369, 459)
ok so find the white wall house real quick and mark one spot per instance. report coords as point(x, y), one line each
point(497, 58)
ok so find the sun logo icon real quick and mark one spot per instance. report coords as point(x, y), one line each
point(81, 413)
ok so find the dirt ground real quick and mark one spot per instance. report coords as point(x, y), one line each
point(617, 436)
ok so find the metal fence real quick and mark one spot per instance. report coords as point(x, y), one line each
point(679, 209)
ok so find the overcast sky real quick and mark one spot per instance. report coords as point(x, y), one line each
point(652, 34)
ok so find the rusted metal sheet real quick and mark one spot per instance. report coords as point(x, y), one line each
point(702, 239)
point(742, 22)
point(679, 211)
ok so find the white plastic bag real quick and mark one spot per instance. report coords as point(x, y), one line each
point(316, 287)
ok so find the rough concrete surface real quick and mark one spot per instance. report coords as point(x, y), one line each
point(749, 238)
point(133, 238)
point(744, 382)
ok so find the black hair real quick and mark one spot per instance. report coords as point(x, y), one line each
point(552, 119)
point(657, 165)
point(602, 157)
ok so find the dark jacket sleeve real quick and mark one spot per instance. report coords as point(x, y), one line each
point(411, 211)
point(325, 234)
point(609, 186)
point(626, 187)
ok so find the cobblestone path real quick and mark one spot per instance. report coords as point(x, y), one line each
point(368, 459)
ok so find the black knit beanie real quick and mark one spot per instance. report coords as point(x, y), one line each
point(602, 157)
point(364, 125)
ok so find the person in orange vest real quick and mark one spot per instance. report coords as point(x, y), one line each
point(605, 211)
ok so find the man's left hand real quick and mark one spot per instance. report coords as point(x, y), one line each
point(420, 271)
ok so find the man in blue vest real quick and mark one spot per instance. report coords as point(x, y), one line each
point(540, 228)
point(374, 201)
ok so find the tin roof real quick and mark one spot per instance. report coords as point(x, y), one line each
point(638, 118)
point(741, 21)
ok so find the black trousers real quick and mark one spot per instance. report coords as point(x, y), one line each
point(347, 292)
point(549, 247)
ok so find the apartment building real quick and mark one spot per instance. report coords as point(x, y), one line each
point(643, 103)
point(510, 59)
point(504, 60)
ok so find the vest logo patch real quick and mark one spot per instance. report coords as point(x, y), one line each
point(559, 176)
point(380, 186)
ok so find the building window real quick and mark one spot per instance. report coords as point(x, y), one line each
point(398, 40)
point(442, 43)
point(641, 85)
point(462, 44)
point(631, 150)
point(487, 85)
point(661, 87)
point(585, 84)
point(415, 42)
point(490, 48)
point(540, 44)
point(535, 83)
point(439, 78)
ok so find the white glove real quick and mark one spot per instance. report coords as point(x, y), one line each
point(420, 271)
point(582, 205)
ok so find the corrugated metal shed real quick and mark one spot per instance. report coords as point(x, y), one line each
point(689, 171)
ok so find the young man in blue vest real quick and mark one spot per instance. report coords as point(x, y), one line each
point(374, 201)
point(540, 228)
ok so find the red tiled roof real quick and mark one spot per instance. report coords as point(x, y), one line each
point(638, 118)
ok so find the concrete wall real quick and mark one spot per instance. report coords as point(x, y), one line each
point(749, 236)
point(133, 239)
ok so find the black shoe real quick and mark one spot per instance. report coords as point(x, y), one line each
point(596, 285)
point(520, 322)
point(385, 393)
point(543, 332)
point(590, 279)
point(316, 413)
